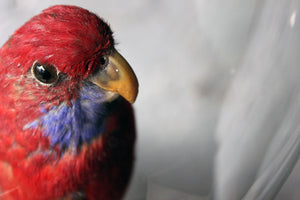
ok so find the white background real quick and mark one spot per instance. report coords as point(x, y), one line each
point(202, 66)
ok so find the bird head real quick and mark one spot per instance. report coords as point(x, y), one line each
point(60, 70)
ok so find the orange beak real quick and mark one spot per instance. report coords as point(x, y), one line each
point(118, 77)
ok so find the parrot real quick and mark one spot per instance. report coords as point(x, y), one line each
point(67, 125)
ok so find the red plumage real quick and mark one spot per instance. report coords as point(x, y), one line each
point(73, 40)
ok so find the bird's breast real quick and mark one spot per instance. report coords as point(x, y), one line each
point(101, 167)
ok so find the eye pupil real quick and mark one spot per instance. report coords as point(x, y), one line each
point(44, 73)
point(103, 60)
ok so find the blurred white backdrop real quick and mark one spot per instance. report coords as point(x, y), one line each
point(190, 57)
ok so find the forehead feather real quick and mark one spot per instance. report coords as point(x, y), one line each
point(65, 36)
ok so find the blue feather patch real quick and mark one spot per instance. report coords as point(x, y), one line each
point(69, 126)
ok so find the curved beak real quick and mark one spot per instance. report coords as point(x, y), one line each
point(117, 77)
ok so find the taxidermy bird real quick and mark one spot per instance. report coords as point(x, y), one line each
point(66, 121)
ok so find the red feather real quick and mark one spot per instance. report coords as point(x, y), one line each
point(72, 39)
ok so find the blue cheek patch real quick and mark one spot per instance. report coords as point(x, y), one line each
point(69, 126)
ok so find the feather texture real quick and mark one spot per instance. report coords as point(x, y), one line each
point(64, 140)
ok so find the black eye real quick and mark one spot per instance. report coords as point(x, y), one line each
point(103, 61)
point(46, 74)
